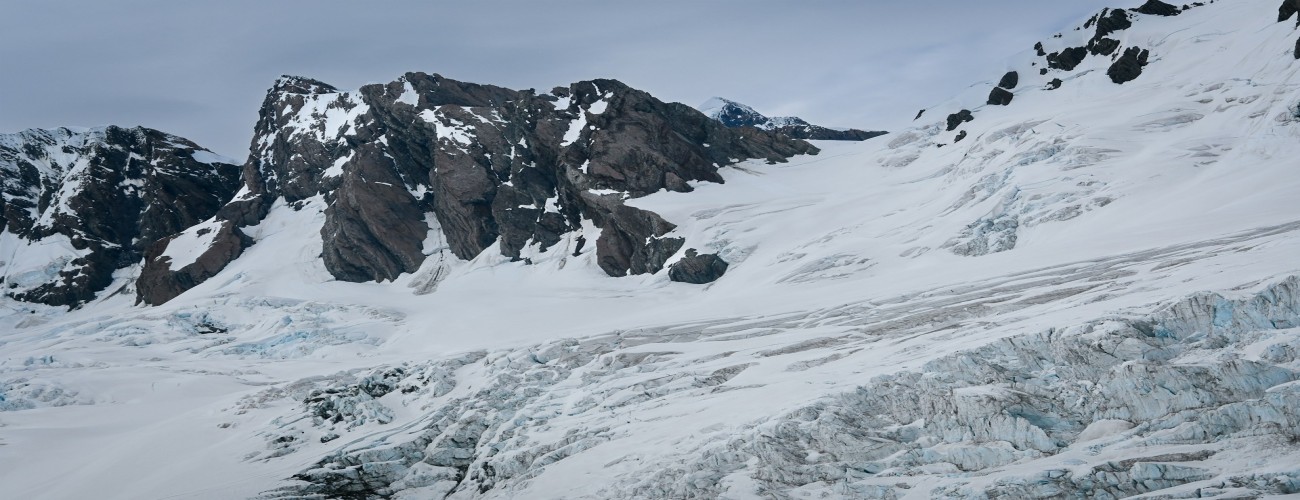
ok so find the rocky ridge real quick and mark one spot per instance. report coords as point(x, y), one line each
point(481, 165)
point(79, 205)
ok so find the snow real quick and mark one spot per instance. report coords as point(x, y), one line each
point(867, 284)
point(205, 156)
point(186, 248)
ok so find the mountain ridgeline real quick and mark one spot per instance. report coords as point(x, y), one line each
point(508, 170)
point(80, 205)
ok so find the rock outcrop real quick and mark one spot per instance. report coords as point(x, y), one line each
point(1009, 80)
point(1287, 9)
point(697, 268)
point(1129, 65)
point(1000, 97)
point(956, 119)
point(78, 205)
point(492, 166)
point(210, 246)
point(1158, 8)
point(734, 114)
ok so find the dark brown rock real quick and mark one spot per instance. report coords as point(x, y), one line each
point(1129, 65)
point(697, 268)
point(1009, 80)
point(373, 227)
point(1110, 21)
point(1158, 8)
point(1067, 59)
point(631, 242)
point(1103, 46)
point(1000, 97)
point(489, 163)
point(1054, 84)
point(122, 190)
point(956, 119)
point(1288, 9)
point(960, 135)
point(159, 283)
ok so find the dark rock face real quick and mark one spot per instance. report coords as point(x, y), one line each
point(1103, 46)
point(1288, 9)
point(734, 114)
point(1297, 48)
point(960, 135)
point(956, 119)
point(631, 242)
point(491, 166)
point(1158, 8)
point(1038, 48)
point(1110, 21)
point(697, 268)
point(1067, 59)
point(1009, 80)
point(1129, 65)
point(1000, 96)
point(105, 195)
point(1055, 84)
point(159, 283)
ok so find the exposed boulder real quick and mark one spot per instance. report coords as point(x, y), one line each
point(956, 119)
point(697, 268)
point(1288, 9)
point(1158, 8)
point(101, 197)
point(1067, 59)
point(1129, 65)
point(1297, 48)
point(1000, 96)
point(215, 245)
point(491, 166)
point(1110, 21)
point(960, 135)
point(632, 242)
point(1055, 84)
point(1103, 46)
point(1009, 80)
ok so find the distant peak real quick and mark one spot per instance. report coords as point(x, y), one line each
point(290, 84)
point(734, 114)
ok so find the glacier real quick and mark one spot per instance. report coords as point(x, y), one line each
point(1094, 294)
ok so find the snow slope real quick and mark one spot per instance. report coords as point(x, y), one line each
point(1093, 293)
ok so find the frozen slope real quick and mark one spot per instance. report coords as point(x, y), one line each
point(1093, 293)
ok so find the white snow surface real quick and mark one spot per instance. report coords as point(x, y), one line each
point(899, 320)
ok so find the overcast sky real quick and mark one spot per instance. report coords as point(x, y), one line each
point(201, 69)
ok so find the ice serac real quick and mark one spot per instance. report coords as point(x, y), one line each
point(78, 205)
point(493, 166)
point(734, 114)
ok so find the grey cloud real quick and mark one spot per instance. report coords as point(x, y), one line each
point(200, 69)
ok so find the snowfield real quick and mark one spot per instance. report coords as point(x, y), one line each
point(1095, 293)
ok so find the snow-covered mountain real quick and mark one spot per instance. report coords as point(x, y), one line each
point(1077, 279)
point(734, 114)
point(80, 205)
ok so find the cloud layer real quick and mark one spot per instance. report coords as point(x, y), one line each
point(200, 69)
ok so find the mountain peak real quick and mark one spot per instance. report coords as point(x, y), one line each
point(734, 114)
